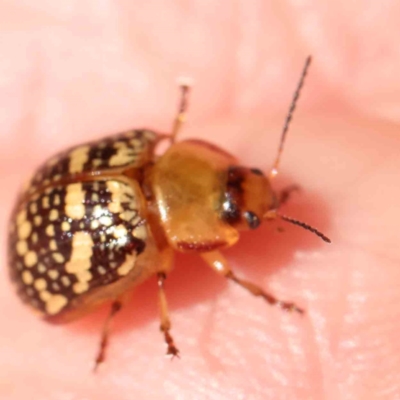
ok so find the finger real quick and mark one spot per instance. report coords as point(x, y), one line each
point(117, 76)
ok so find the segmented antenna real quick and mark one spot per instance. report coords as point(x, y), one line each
point(274, 170)
point(305, 226)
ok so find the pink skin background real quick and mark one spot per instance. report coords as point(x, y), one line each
point(72, 71)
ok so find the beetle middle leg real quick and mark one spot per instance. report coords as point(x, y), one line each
point(165, 325)
point(219, 263)
point(105, 334)
point(180, 117)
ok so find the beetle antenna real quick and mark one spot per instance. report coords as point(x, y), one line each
point(184, 85)
point(274, 170)
point(305, 226)
point(272, 214)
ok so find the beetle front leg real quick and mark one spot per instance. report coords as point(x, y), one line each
point(219, 264)
point(286, 193)
point(165, 325)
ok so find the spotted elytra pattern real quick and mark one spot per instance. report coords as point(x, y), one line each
point(130, 149)
point(73, 229)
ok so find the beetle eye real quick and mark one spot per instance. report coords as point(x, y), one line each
point(252, 220)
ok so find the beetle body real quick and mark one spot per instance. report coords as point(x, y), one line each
point(101, 217)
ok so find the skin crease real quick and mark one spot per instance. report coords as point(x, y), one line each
point(73, 71)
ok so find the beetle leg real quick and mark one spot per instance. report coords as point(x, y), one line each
point(219, 263)
point(105, 334)
point(181, 114)
point(165, 325)
point(284, 194)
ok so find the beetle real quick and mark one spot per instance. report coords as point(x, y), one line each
point(99, 218)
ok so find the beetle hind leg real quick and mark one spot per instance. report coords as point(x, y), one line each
point(165, 325)
point(105, 334)
point(219, 264)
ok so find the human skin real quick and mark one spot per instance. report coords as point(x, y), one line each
point(73, 71)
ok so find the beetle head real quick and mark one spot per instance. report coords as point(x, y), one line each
point(248, 196)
